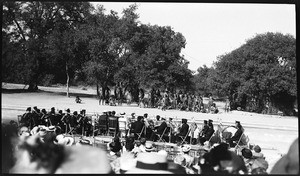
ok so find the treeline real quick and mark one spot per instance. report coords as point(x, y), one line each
point(65, 42)
point(45, 43)
point(259, 76)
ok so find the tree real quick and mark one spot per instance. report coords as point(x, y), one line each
point(260, 71)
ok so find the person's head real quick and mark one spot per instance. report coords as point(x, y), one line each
point(145, 115)
point(113, 113)
point(163, 119)
point(210, 121)
point(143, 141)
point(82, 112)
point(140, 118)
point(68, 110)
point(44, 111)
point(238, 124)
point(157, 117)
point(184, 121)
point(28, 109)
point(205, 122)
point(257, 148)
point(52, 110)
point(75, 113)
point(60, 112)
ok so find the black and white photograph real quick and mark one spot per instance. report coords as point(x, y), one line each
point(109, 87)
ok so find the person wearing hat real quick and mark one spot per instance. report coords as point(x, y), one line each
point(237, 135)
point(183, 130)
point(149, 147)
point(207, 136)
point(188, 159)
point(66, 121)
point(52, 117)
point(35, 117)
point(160, 130)
point(204, 129)
point(247, 156)
point(26, 118)
point(44, 118)
point(150, 163)
point(257, 152)
point(137, 127)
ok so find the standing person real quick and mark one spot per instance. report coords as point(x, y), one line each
point(35, 120)
point(227, 105)
point(210, 102)
point(183, 130)
point(52, 118)
point(237, 135)
point(44, 118)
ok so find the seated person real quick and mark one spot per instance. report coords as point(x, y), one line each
point(183, 130)
point(160, 130)
point(237, 135)
point(207, 135)
point(77, 100)
point(137, 127)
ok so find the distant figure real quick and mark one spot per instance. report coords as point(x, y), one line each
point(78, 100)
point(236, 137)
point(227, 105)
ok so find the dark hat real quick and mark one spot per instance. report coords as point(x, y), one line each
point(145, 114)
point(34, 107)
point(44, 111)
point(68, 110)
point(257, 149)
point(205, 121)
point(123, 113)
point(246, 153)
point(28, 109)
point(60, 111)
point(184, 120)
point(163, 118)
point(140, 117)
point(209, 120)
point(237, 122)
point(75, 113)
point(113, 112)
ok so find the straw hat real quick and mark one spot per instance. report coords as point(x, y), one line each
point(150, 163)
point(149, 147)
point(186, 148)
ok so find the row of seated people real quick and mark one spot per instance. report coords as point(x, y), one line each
point(108, 123)
point(66, 122)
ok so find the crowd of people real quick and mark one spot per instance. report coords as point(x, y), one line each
point(167, 100)
point(42, 137)
point(45, 150)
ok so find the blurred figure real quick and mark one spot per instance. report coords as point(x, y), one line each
point(235, 138)
point(289, 163)
point(77, 99)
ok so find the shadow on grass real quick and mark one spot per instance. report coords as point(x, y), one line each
point(12, 91)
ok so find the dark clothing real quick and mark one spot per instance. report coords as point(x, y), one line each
point(237, 135)
point(207, 136)
point(184, 129)
point(159, 131)
point(204, 130)
point(137, 127)
point(26, 119)
point(73, 121)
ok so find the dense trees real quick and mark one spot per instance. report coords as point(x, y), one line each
point(259, 76)
point(73, 42)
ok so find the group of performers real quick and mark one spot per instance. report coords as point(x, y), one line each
point(157, 129)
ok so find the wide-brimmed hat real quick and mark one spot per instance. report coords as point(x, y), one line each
point(149, 147)
point(51, 128)
point(246, 153)
point(68, 110)
point(186, 148)
point(152, 163)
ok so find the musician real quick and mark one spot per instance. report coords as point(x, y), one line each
point(26, 118)
point(210, 131)
point(183, 130)
point(66, 121)
point(174, 129)
point(137, 127)
point(35, 120)
point(44, 118)
point(204, 129)
point(147, 125)
point(103, 122)
point(52, 117)
point(159, 130)
point(237, 135)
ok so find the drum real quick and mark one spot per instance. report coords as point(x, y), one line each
point(228, 132)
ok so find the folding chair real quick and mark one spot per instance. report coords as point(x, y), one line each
point(112, 125)
point(122, 126)
point(141, 132)
point(184, 138)
point(240, 143)
point(103, 125)
point(163, 134)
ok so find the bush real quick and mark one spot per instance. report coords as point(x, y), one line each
point(48, 80)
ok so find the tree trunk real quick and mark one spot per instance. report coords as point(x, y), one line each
point(98, 93)
point(68, 79)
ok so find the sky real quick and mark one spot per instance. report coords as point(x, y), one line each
point(213, 29)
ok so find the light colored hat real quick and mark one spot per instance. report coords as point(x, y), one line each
point(151, 163)
point(51, 128)
point(149, 146)
point(162, 152)
point(186, 148)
